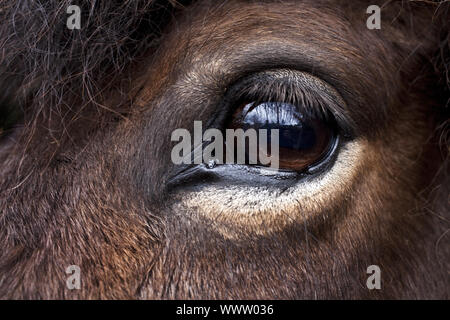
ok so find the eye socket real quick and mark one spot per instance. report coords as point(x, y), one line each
point(303, 139)
point(311, 123)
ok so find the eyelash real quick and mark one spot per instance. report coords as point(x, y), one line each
point(263, 87)
point(311, 99)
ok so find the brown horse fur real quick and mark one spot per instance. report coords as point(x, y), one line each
point(83, 177)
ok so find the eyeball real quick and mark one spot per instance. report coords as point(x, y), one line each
point(303, 139)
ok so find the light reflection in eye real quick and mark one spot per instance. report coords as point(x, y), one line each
point(303, 140)
point(283, 114)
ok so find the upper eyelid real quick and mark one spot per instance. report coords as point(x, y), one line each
point(284, 84)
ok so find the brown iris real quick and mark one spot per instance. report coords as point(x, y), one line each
point(303, 140)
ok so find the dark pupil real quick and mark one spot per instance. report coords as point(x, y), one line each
point(303, 140)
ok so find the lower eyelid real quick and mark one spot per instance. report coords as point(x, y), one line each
point(230, 208)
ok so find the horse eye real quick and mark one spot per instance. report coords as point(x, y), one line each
point(303, 139)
